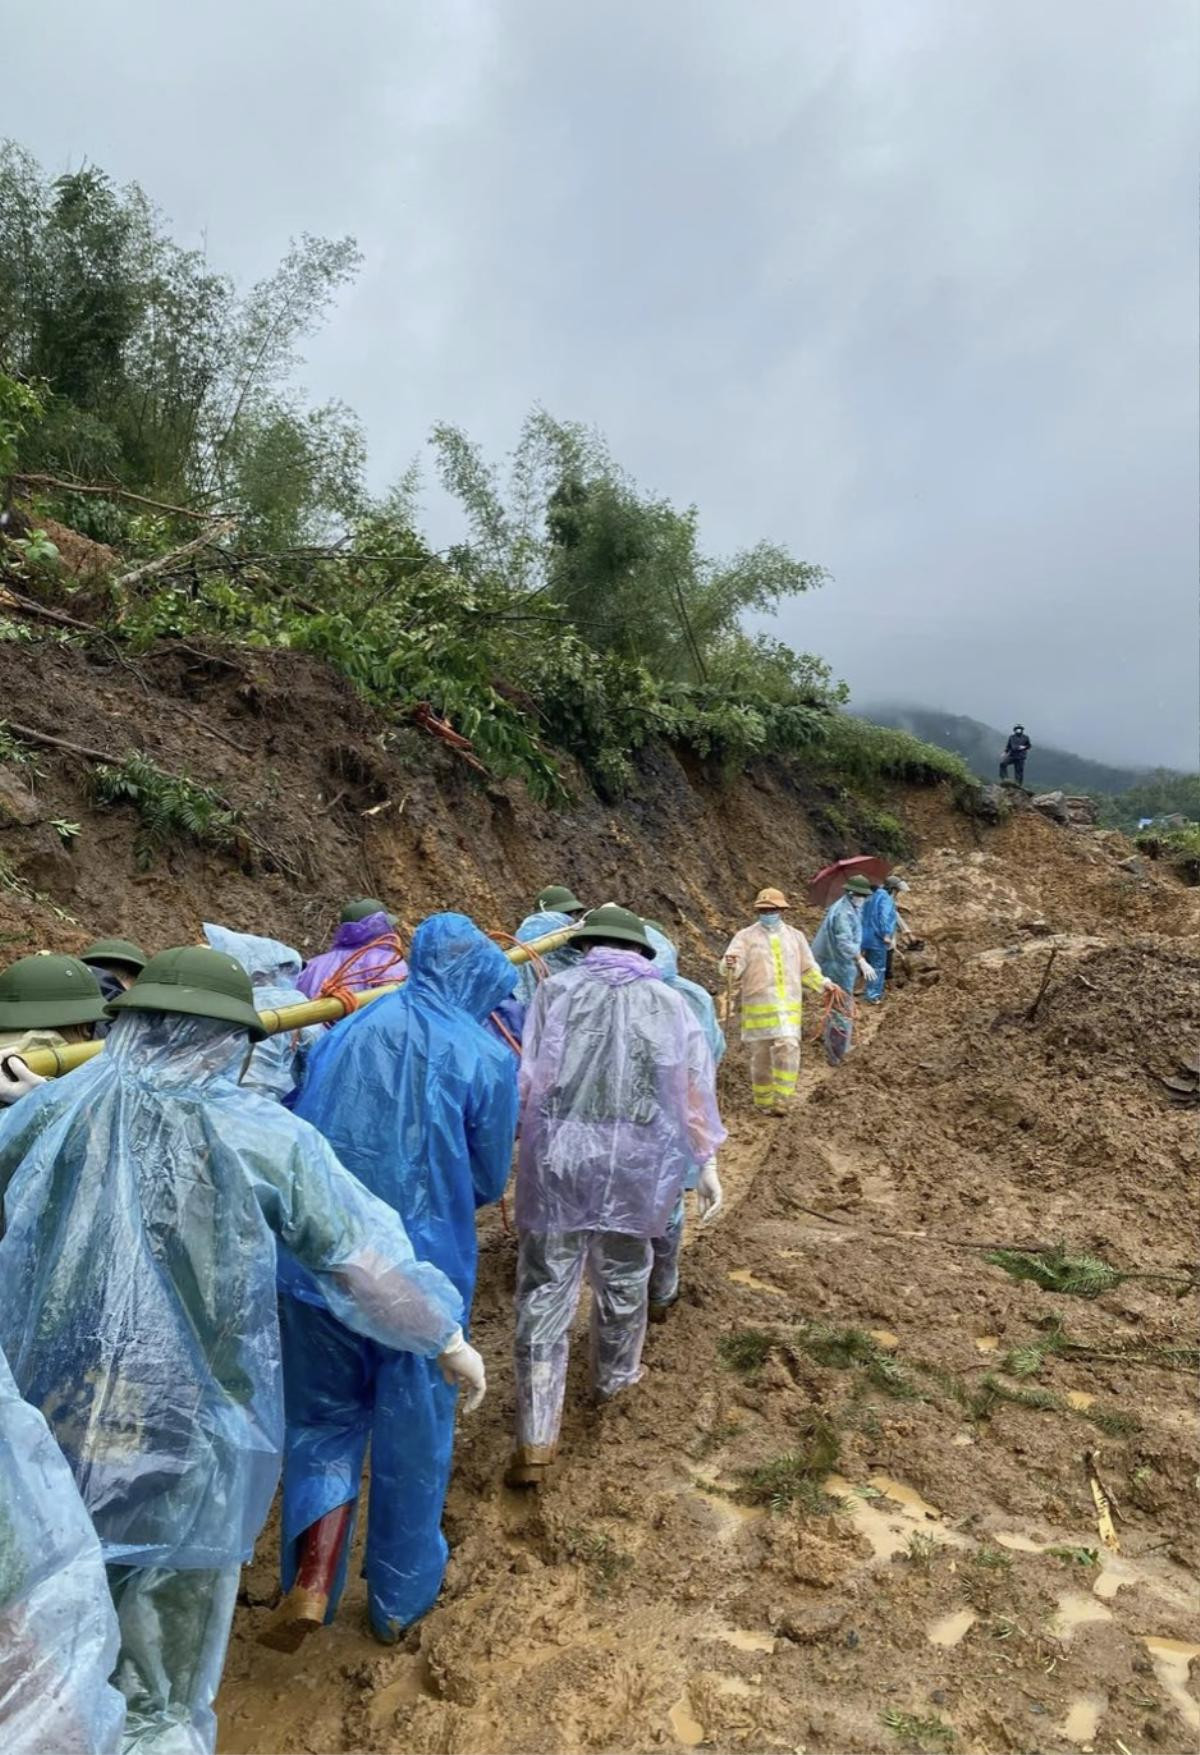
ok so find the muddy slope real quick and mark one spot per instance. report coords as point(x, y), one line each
point(921, 1564)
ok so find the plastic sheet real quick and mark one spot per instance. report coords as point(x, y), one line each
point(617, 1099)
point(276, 1065)
point(58, 1633)
point(839, 1030)
point(550, 1269)
point(664, 1272)
point(420, 1101)
point(137, 1281)
point(666, 961)
point(174, 1635)
point(347, 960)
point(773, 969)
point(536, 926)
point(838, 944)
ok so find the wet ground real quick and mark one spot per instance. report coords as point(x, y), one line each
point(852, 1506)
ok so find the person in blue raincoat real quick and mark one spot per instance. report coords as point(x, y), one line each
point(557, 908)
point(879, 922)
point(58, 1632)
point(838, 949)
point(142, 1198)
point(664, 1271)
point(277, 1063)
point(420, 1101)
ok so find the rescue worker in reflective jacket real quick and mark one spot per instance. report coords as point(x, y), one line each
point(419, 1100)
point(142, 1198)
point(772, 964)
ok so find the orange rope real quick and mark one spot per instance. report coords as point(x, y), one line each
point(334, 987)
point(538, 963)
point(834, 997)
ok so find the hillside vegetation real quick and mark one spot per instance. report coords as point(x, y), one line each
point(151, 405)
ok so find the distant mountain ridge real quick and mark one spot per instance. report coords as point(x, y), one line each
point(979, 745)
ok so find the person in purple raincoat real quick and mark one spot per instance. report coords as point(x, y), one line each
point(617, 1105)
point(366, 952)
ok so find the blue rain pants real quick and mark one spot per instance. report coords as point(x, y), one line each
point(876, 955)
point(344, 1392)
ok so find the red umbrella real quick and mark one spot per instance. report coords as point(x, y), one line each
point(829, 884)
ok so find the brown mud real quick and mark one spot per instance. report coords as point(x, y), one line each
point(940, 1563)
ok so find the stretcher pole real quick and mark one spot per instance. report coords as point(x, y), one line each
point(52, 1062)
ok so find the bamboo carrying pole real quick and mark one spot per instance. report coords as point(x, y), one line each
point(51, 1062)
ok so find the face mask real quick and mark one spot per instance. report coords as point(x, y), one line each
point(771, 919)
point(856, 902)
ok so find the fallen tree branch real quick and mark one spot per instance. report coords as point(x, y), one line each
point(110, 491)
point(40, 612)
point(1031, 1014)
point(164, 563)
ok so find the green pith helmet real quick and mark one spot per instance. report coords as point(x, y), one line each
point(198, 983)
point(46, 992)
point(857, 886)
point(121, 951)
point(615, 923)
point(353, 912)
point(558, 899)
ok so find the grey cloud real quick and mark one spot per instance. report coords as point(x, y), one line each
point(910, 286)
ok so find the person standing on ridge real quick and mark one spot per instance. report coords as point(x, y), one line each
point(772, 964)
point(366, 952)
point(1015, 752)
point(617, 1105)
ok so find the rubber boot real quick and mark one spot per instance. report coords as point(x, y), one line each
point(306, 1605)
point(530, 1464)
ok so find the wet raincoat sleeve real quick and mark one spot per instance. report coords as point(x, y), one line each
point(58, 1632)
point(705, 1129)
point(737, 949)
point(356, 1247)
point(491, 1125)
point(878, 918)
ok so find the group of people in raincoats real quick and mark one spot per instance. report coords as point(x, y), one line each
point(771, 964)
point(230, 1257)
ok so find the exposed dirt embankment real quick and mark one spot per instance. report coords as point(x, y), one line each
point(849, 1507)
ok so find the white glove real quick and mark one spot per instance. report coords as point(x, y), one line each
point(710, 1197)
point(16, 1079)
point(462, 1366)
point(865, 969)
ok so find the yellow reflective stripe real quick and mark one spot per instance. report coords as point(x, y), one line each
point(812, 979)
point(790, 1010)
point(781, 992)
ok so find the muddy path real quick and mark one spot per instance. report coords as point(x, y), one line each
point(849, 1506)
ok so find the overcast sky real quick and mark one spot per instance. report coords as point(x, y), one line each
point(909, 285)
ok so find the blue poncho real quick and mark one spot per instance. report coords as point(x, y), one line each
point(276, 1065)
point(142, 1198)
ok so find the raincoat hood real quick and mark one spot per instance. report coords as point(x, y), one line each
point(169, 1051)
point(267, 962)
point(353, 933)
point(666, 957)
point(619, 967)
point(449, 956)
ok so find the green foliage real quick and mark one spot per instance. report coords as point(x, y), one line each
point(992, 1559)
point(171, 808)
point(795, 1477)
point(1076, 1556)
point(746, 1350)
point(922, 1733)
point(1161, 793)
point(1179, 847)
point(606, 1564)
point(1083, 1276)
point(20, 408)
point(859, 751)
point(846, 1349)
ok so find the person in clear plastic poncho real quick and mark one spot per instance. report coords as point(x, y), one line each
point(557, 908)
point(143, 1196)
point(617, 1106)
point(664, 1274)
point(276, 1064)
point(419, 1100)
point(365, 952)
point(58, 1632)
